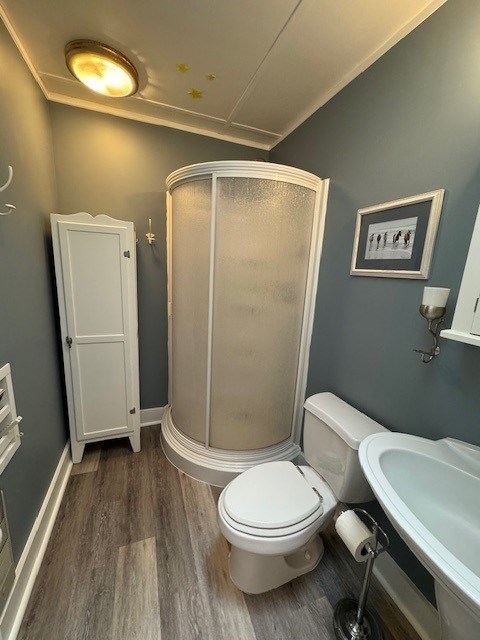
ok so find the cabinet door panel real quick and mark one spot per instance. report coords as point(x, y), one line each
point(95, 276)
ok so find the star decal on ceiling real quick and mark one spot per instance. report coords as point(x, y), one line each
point(211, 76)
point(196, 94)
point(182, 67)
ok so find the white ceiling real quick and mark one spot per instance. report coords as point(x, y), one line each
point(275, 61)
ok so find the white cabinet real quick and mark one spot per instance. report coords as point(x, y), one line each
point(466, 321)
point(96, 282)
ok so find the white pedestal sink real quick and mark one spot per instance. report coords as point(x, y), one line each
point(431, 493)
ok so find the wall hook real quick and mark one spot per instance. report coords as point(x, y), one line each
point(9, 179)
point(10, 207)
point(150, 236)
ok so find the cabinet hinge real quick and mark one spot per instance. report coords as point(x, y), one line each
point(132, 411)
point(69, 341)
point(126, 254)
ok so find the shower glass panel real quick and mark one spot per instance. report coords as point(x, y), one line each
point(191, 205)
point(262, 248)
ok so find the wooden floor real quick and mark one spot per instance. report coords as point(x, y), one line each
point(136, 554)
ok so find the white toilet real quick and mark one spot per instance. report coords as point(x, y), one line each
point(273, 513)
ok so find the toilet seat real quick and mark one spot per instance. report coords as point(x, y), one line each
point(286, 539)
point(272, 496)
point(259, 532)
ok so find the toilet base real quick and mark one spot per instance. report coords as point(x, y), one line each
point(255, 573)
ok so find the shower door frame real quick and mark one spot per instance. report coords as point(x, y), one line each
point(201, 460)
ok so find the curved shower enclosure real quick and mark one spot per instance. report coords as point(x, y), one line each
point(244, 242)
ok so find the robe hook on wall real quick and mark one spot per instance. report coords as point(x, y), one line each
point(10, 207)
point(150, 236)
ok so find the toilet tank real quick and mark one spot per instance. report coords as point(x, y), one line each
point(333, 431)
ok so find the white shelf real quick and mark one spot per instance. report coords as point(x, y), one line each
point(461, 336)
point(4, 411)
point(11, 440)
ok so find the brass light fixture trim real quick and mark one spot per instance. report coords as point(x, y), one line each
point(101, 68)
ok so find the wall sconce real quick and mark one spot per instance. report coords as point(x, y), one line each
point(150, 236)
point(432, 309)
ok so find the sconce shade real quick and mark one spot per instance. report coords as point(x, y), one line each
point(101, 68)
point(435, 297)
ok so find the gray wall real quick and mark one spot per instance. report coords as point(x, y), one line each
point(106, 164)
point(28, 337)
point(409, 124)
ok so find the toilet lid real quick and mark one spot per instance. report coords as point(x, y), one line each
point(270, 496)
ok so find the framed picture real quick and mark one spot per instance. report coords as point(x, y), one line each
point(396, 239)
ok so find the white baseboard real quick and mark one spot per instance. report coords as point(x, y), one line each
point(32, 555)
point(150, 417)
point(421, 614)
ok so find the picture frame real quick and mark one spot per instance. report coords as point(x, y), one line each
point(396, 239)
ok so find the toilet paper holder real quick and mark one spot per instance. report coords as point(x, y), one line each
point(352, 620)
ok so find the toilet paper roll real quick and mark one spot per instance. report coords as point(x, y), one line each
point(354, 534)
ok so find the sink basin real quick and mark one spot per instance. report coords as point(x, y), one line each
point(430, 490)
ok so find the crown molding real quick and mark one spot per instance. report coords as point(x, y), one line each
point(122, 113)
point(23, 52)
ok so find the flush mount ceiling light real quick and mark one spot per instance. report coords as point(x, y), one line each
point(101, 68)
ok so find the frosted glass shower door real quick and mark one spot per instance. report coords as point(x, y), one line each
point(190, 247)
point(262, 249)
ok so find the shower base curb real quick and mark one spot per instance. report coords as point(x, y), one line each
point(216, 466)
